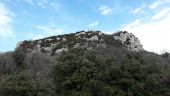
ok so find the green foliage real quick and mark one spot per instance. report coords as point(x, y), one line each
point(81, 72)
point(19, 85)
point(76, 71)
point(19, 56)
point(23, 85)
point(166, 54)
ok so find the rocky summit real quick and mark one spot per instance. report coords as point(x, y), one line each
point(84, 63)
point(129, 40)
point(89, 40)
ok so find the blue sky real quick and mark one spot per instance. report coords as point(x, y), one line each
point(149, 20)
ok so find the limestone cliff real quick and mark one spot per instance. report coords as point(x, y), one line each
point(129, 40)
point(90, 40)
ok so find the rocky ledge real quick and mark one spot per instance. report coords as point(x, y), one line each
point(89, 39)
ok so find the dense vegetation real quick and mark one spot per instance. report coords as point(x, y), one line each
point(82, 72)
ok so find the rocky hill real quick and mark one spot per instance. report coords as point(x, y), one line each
point(129, 40)
point(89, 39)
point(92, 64)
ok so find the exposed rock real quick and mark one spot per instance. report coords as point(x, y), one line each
point(80, 33)
point(61, 50)
point(90, 40)
point(93, 38)
point(39, 41)
point(48, 39)
point(58, 38)
point(38, 47)
point(129, 40)
point(48, 49)
point(77, 45)
point(19, 44)
point(64, 39)
point(100, 33)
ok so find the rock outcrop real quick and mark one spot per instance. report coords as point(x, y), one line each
point(90, 40)
point(129, 40)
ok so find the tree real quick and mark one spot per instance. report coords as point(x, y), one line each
point(16, 85)
point(76, 71)
point(6, 63)
point(81, 72)
point(39, 65)
point(19, 56)
point(23, 85)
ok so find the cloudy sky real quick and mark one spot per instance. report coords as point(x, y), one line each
point(149, 20)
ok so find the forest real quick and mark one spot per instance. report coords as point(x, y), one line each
point(83, 72)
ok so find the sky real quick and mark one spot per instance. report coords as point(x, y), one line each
point(149, 20)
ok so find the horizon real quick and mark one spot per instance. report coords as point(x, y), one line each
point(21, 20)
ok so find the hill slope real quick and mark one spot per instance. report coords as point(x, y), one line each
point(90, 40)
point(84, 64)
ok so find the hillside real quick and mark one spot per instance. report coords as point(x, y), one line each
point(90, 40)
point(84, 64)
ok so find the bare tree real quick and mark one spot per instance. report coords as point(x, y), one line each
point(6, 63)
point(39, 65)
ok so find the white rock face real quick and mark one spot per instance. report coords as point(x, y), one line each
point(58, 38)
point(38, 47)
point(77, 45)
point(64, 39)
point(48, 48)
point(100, 33)
point(129, 40)
point(80, 33)
point(49, 39)
point(18, 44)
point(39, 41)
point(82, 39)
point(89, 33)
point(61, 50)
point(93, 38)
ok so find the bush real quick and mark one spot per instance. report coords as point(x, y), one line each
point(23, 85)
point(19, 56)
point(81, 72)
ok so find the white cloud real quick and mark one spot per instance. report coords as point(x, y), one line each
point(153, 30)
point(158, 3)
point(136, 11)
point(49, 4)
point(29, 1)
point(163, 13)
point(153, 35)
point(5, 21)
point(105, 10)
point(55, 6)
point(134, 23)
point(155, 4)
point(51, 29)
point(93, 24)
point(139, 10)
point(43, 3)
